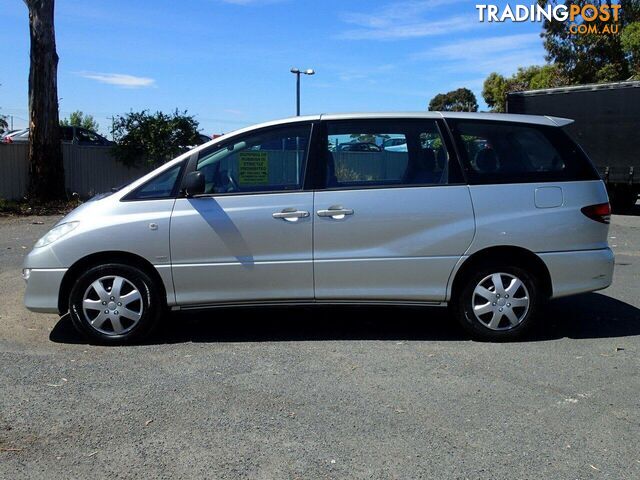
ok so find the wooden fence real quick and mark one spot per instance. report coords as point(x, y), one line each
point(87, 170)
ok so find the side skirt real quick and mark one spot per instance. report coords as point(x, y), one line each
point(284, 303)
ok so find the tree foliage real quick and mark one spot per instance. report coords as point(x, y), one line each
point(494, 92)
point(497, 86)
point(631, 46)
point(79, 119)
point(153, 139)
point(460, 100)
point(589, 57)
point(367, 137)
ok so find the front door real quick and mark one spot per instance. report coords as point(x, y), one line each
point(394, 217)
point(249, 238)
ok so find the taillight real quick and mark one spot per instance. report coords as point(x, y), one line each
point(600, 212)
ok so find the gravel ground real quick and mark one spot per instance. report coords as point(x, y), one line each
point(324, 392)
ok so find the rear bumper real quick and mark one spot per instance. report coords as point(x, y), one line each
point(43, 287)
point(579, 271)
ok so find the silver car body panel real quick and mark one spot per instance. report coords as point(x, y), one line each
point(230, 248)
point(43, 287)
point(507, 215)
point(400, 245)
point(109, 225)
point(579, 271)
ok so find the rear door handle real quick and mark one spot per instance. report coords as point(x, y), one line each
point(290, 214)
point(335, 212)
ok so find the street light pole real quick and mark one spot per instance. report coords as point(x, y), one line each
point(298, 94)
point(297, 72)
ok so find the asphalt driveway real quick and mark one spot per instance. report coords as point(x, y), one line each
point(324, 392)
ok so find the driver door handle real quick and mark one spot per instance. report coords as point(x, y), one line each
point(290, 214)
point(335, 211)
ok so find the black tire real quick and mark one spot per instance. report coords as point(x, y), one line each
point(462, 304)
point(148, 308)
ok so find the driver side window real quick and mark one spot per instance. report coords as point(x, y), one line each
point(271, 160)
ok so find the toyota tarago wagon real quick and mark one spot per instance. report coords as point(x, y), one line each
point(488, 214)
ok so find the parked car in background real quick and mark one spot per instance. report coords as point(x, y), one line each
point(69, 134)
point(359, 147)
point(395, 145)
point(393, 142)
point(488, 214)
point(15, 135)
point(7, 132)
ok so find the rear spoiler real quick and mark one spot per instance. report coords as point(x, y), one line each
point(559, 121)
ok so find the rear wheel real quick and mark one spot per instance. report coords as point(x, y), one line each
point(115, 304)
point(497, 302)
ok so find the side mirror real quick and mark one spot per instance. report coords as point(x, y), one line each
point(194, 184)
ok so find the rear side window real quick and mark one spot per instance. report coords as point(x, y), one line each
point(375, 153)
point(501, 152)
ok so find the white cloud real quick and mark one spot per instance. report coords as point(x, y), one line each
point(470, 49)
point(365, 73)
point(485, 55)
point(403, 20)
point(119, 79)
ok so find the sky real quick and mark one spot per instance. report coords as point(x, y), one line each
point(227, 62)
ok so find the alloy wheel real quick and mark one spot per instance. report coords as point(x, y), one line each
point(500, 301)
point(112, 305)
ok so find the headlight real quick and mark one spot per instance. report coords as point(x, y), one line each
point(56, 233)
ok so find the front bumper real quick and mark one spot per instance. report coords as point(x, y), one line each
point(43, 287)
point(579, 271)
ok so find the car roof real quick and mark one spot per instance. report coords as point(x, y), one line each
point(500, 117)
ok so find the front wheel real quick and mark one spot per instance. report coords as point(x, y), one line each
point(114, 304)
point(497, 303)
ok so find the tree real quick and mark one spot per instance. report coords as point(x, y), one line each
point(145, 139)
point(497, 86)
point(631, 46)
point(589, 57)
point(494, 92)
point(368, 137)
point(46, 173)
point(460, 100)
point(78, 119)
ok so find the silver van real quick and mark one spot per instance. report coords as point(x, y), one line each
point(488, 214)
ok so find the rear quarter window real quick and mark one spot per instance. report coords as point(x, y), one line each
point(503, 152)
